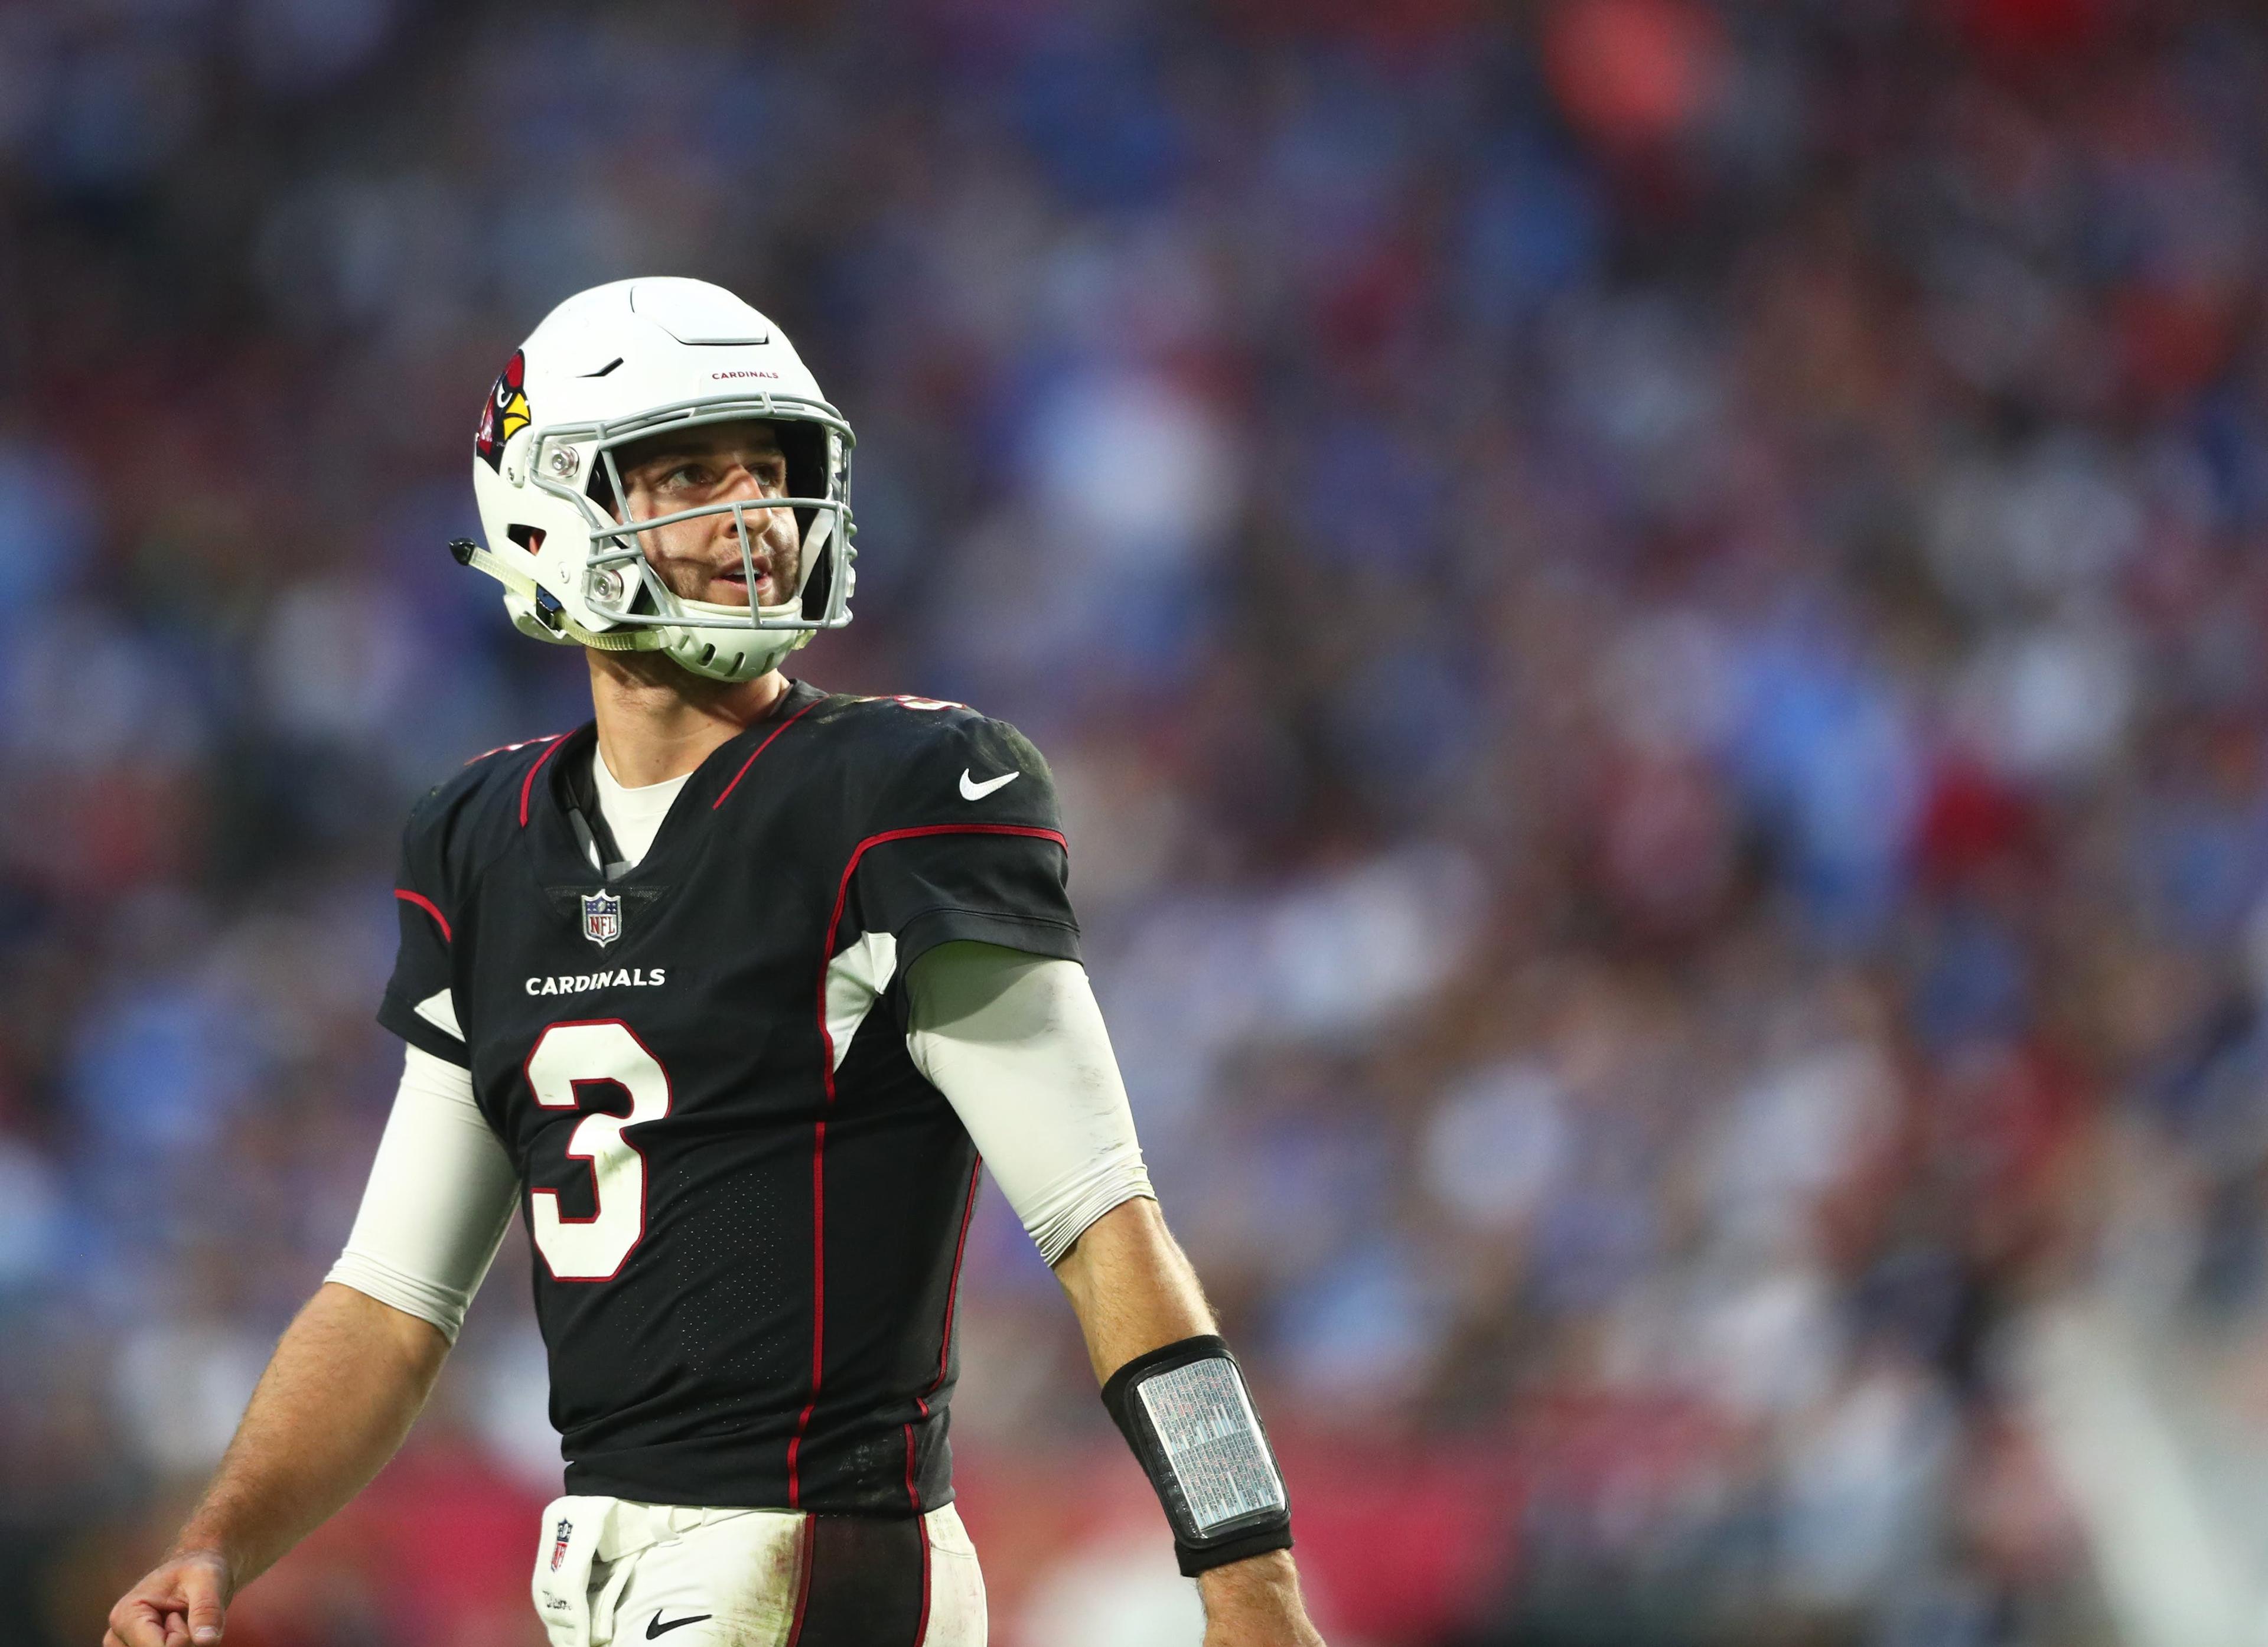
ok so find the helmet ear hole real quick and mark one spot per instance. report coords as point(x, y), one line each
point(528, 538)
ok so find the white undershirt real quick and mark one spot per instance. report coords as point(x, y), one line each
point(1015, 1042)
point(633, 815)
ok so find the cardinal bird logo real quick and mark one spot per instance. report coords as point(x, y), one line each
point(504, 414)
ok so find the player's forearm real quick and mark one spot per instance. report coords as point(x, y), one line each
point(1132, 1287)
point(1135, 1292)
point(340, 1392)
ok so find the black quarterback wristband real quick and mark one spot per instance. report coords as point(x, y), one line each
point(1186, 1413)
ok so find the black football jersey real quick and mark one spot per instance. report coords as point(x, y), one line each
point(747, 1205)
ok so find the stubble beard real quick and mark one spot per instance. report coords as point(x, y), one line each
point(683, 578)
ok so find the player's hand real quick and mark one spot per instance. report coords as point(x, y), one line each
point(1255, 1603)
point(179, 1604)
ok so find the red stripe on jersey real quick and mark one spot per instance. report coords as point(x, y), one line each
point(807, 1547)
point(921, 1623)
point(953, 1287)
point(818, 1301)
point(826, 1072)
point(760, 747)
point(428, 907)
point(527, 783)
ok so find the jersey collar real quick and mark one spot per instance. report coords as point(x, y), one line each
point(568, 787)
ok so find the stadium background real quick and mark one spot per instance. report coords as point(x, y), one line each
point(1650, 619)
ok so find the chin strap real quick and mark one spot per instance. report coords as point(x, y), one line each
point(549, 612)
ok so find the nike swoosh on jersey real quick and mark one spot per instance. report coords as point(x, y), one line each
point(971, 789)
point(654, 1626)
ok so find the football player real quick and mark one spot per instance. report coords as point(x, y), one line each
point(726, 993)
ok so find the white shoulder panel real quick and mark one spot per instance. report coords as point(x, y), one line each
point(855, 979)
point(439, 1010)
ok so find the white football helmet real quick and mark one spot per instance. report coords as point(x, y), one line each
point(615, 365)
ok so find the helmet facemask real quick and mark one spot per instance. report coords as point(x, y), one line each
point(621, 588)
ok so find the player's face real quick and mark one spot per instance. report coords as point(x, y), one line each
point(716, 463)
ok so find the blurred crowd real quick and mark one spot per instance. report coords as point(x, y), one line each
point(1649, 616)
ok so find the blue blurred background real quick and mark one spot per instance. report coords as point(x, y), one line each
point(1649, 614)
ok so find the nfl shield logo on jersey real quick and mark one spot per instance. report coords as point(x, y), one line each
point(602, 917)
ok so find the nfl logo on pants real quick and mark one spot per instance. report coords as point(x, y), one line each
point(602, 917)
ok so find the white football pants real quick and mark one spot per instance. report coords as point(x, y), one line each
point(612, 1572)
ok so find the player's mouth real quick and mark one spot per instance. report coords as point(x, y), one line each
point(730, 584)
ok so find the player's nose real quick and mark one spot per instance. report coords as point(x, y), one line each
point(762, 523)
point(744, 486)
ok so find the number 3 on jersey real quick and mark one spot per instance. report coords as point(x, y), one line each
point(566, 1058)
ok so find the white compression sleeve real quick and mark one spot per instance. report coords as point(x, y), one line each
point(441, 1194)
point(1016, 1044)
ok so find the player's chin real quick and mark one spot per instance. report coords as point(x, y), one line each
point(732, 592)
